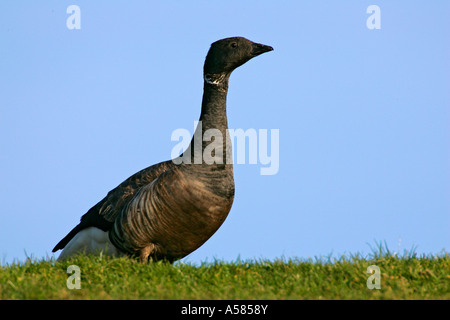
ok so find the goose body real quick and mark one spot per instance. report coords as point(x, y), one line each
point(170, 209)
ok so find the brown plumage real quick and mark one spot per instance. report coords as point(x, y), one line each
point(168, 210)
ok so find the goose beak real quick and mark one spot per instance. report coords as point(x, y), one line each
point(258, 48)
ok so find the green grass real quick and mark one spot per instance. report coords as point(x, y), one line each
point(406, 277)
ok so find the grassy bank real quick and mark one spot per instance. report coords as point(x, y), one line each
point(408, 277)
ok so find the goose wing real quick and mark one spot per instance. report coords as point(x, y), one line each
point(103, 214)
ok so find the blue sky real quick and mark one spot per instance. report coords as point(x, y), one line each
point(363, 119)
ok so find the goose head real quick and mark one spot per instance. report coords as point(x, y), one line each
point(227, 54)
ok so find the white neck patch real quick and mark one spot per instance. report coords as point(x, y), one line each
point(214, 79)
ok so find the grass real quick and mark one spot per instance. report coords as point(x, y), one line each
point(405, 277)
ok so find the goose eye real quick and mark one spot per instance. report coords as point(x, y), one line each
point(234, 45)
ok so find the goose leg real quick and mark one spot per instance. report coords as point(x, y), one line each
point(145, 252)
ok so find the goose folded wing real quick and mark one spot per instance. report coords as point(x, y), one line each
point(103, 214)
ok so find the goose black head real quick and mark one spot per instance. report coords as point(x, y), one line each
point(227, 54)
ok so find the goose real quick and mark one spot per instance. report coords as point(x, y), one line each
point(168, 210)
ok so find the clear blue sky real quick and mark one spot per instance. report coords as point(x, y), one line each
point(363, 117)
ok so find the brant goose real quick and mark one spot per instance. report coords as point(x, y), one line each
point(168, 210)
